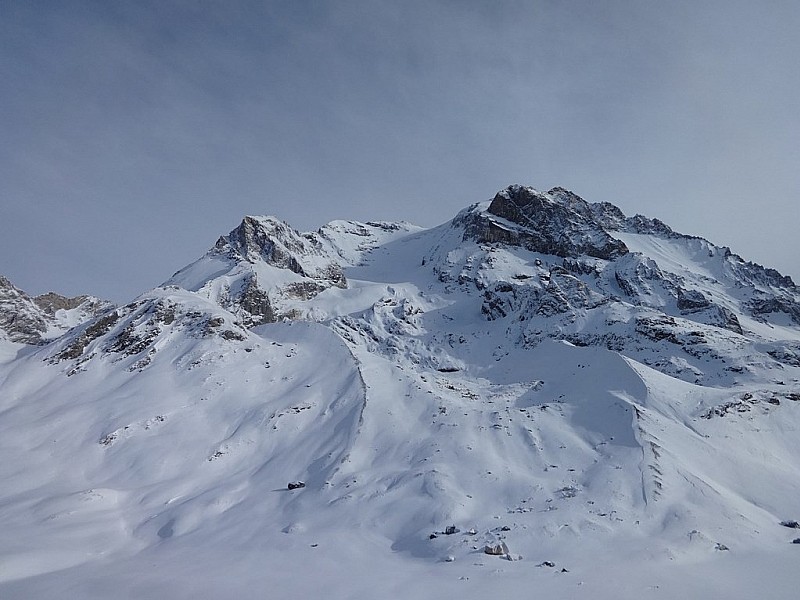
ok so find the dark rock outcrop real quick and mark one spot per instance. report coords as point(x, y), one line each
point(691, 300)
point(255, 302)
point(52, 302)
point(557, 223)
point(277, 244)
point(20, 318)
point(762, 306)
point(98, 328)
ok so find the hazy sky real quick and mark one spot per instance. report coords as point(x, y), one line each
point(133, 134)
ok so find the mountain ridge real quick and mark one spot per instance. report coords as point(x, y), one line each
point(40, 319)
point(540, 374)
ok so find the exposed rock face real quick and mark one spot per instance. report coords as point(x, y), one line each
point(37, 320)
point(729, 320)
point(691, 300)
point(52, 302)
point(91, 333)
point(255, 302)
point(251, 241)
point(775, 304)
point(277, 244)
point(561, 294)
point(557, 223)
point(263, 271)
point(257, 295)
point(20, 318)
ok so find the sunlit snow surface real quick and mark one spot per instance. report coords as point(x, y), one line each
point(163, 473)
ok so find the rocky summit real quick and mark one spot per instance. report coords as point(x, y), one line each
point(541, 394)
point(39, 319)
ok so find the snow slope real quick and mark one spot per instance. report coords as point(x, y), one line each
point(613, 405)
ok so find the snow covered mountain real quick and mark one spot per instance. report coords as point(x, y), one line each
point(541, 393)
point(42, 318)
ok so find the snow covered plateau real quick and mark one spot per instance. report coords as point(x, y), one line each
point(540, 398)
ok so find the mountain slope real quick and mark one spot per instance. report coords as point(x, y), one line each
point(541, 374)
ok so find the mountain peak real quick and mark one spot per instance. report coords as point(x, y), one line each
point(558, 222)
point(540, 375)
point(37, 320)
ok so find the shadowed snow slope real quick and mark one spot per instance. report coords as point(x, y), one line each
point(611, 404)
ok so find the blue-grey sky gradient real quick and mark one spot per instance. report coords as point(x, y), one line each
point(133, 134)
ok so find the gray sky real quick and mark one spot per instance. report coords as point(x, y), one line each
point(133, 134)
